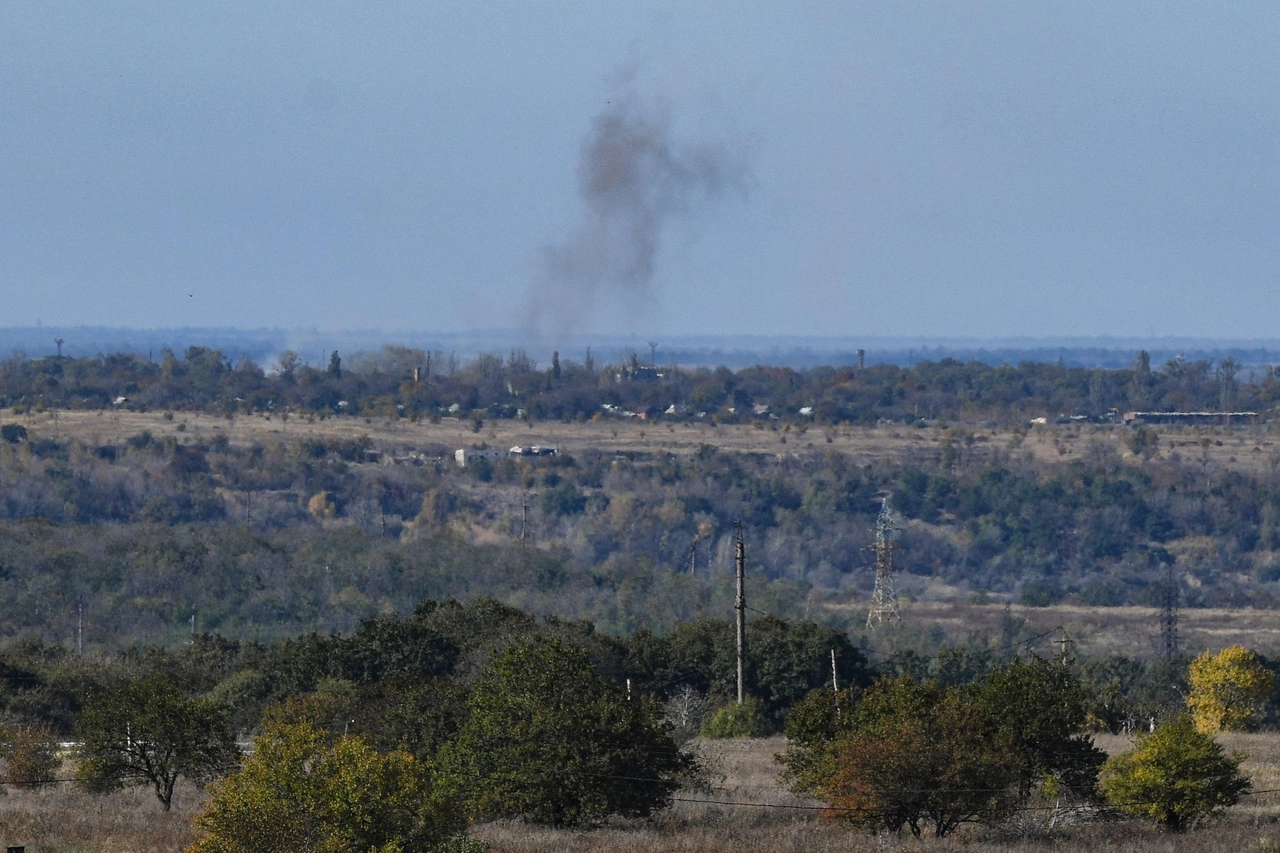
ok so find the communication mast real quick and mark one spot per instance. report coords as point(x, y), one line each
point(884, 600)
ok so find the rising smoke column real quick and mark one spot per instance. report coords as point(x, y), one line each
point(635, 182)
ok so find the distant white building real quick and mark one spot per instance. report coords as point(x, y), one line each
point(534, 450)
point(463, 455)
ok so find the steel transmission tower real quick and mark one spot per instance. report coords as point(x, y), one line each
point(884, 600)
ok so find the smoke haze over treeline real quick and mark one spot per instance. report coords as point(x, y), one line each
point(636, 185)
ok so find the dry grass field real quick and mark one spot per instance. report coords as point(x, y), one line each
point(1093, 631)
point(67, 820)
point(1255, 448)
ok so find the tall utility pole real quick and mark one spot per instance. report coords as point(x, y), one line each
point(1169, 614)
point(884, 600)
point(1064, 644)
point(835, 683)
point(740, 607)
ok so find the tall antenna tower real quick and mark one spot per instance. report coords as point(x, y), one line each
point(1169, 614)
point(884, 600)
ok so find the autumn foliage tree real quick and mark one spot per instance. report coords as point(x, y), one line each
point(1229, 690)
point(30, 754)
point(922, 757)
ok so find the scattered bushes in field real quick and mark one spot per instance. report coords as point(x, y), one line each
point(928, 757)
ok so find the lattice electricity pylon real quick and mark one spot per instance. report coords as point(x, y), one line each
point(884, 600)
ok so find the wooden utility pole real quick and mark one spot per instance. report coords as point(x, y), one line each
point(1064, 643)
point(740, 606)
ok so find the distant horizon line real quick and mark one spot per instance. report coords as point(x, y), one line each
point(519, 335)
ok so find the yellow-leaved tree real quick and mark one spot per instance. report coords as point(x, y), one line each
point(1229, 690)
point(303, 790)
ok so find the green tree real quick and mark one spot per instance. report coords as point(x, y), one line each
point(1176, 775)
point(813, 725)
point(785, 660)
point(1041, 706)
point(302, 791)
point(548, 740)
point(148, 732)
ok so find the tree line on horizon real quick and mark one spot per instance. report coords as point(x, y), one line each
point(411, 383)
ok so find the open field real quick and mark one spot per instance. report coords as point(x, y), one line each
point(67, 820)
point(1252, 448)
point(1093, 631)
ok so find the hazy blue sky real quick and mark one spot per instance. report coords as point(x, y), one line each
point(958, 169)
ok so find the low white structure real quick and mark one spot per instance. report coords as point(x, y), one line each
point(534, 450)
point(465, 455)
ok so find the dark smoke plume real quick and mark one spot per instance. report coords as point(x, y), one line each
point(635, 182)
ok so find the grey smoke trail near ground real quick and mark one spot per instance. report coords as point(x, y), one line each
point(635, 183)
